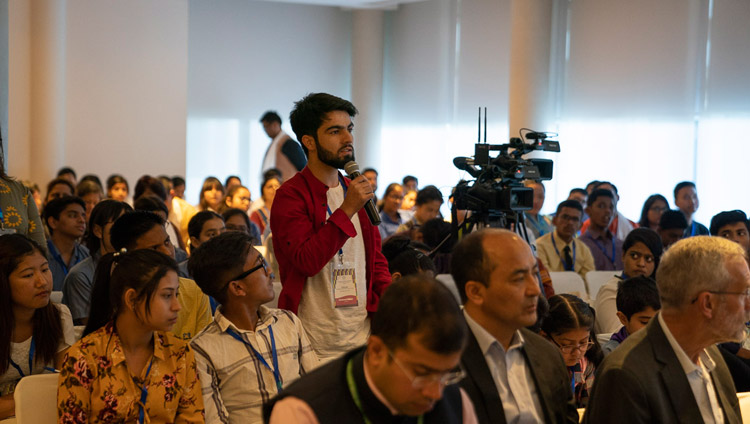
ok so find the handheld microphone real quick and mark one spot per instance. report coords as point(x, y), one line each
point(352, 169)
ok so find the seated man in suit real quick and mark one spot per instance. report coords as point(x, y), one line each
point(404, 374)
point(513, 375)
point(672, 371)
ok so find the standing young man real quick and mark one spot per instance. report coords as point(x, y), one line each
point(283, 153)
point(331, 267)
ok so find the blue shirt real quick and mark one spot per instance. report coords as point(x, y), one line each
point(58, 267)
point(388, 226)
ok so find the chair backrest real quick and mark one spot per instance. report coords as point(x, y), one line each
point(596, 279)
point(569, 282)
point(744, 398)
point(36, 399)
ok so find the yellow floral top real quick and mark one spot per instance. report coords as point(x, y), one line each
point(19, 211)
point(97, 387)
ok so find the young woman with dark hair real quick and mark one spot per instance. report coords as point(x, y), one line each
point(212, 194)
point(80, 279)
point(237, 220)
point(238, 196)
point(655, 205)
point(133, 367)
point(34, 332)
point(262, 215)
point(117, 187)
point(570, 326)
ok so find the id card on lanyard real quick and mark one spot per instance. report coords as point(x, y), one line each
point(343, 275)
point(3, 230)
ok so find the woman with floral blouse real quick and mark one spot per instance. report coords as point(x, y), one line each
point(133, 369)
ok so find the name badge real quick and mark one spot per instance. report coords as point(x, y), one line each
point(344, 283)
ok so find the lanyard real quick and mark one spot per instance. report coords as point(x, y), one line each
point(2, 219)
point(692, 229)
point(275, 369)
point(601, 246)
point(536, 224)
point(568, 267)
point(32, 350)
point(343, 186)
point(144, 393)
point(355, 394)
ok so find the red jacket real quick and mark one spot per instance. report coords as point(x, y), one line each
point(304, 241)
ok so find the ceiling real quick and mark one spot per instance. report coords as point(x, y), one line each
point(352, 4)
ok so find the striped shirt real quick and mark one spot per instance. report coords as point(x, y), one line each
point(235, 383)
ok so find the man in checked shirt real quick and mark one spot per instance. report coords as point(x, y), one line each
point(249, 352)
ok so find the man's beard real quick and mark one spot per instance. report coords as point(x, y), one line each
point(331, 159)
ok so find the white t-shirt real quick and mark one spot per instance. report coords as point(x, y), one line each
point(19, 353)
point(334, 331)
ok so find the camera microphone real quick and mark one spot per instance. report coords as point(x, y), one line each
point(352, 169)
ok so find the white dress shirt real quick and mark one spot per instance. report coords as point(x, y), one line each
point(511, 374)
point(699, 377)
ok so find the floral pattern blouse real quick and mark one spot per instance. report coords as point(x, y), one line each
point(96, 385)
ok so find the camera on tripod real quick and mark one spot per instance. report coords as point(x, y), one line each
point(497, 197)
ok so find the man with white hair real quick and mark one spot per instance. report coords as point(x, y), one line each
point(672, 371)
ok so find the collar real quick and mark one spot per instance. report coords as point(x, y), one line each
point(687, 365)
point(596, 235)
point(265, 319)
point(376, 392)
point(560, 240)
point(317, 186)
point(486, 340)
point(116, 352)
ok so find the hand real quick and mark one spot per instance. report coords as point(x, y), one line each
point(358, 193)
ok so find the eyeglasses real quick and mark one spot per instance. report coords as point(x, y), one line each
point(638, 255)
point(422, 381)
point(744, 293)
point(568, 349)
point(263, 264)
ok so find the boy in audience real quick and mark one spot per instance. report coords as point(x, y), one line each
point(145, 230)
point(69, 174)
point(686, 199)
point(248, 352)
point(732, 225)
point(605, 246)
point(672, 227)
point(178, 187)
point(66, 221)
point(637, 302)
point(620, 226)
point(204, 226)
point(429, 200)
point(410, 183)
point(558, 249)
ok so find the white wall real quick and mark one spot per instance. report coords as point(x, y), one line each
point(246, 57)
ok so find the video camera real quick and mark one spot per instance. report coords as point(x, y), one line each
point(497, 197)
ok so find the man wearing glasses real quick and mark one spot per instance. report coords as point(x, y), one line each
point(249, 352)
point(672, 371)
point(406, 373)
point(513, 374)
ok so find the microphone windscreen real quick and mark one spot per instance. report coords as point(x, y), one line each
point(352, 168)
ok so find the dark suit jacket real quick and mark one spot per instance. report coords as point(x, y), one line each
point(547, 368)
point(642, 381)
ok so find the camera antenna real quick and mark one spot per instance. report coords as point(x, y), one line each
point(479, 126)
point(485, 124)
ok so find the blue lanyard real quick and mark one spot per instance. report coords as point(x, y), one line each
point(144, 393)
point(535, 223)
point(343, 186)
point(275, 369)
point(568, 267)
point(32, 350)
point(601, 246)
point(2, 218)
point(692, 229)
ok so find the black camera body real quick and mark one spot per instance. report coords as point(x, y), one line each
point(498, 191)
